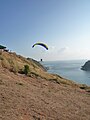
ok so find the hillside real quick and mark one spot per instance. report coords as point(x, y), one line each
point(15, 63)
point(39, 95)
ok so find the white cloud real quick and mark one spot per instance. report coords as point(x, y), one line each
point(51, 49)
point(63, 53)
point(63, 50)
point(57, 54)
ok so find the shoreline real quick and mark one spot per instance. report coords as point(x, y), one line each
point(69, 70)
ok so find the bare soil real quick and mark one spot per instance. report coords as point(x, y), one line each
point(28, 98)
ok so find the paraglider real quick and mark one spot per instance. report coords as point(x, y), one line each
point(42, 44)
point(41, 60)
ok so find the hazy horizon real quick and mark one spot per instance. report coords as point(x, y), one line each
point(64, 25)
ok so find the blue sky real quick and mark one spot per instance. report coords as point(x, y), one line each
point(64, 25)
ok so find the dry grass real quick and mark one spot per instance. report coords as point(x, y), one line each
point(40, 95)
point(15, 63)
point(31, 98)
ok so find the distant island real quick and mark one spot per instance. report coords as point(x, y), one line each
point(86, 66)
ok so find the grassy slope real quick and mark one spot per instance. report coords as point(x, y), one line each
point(39, 96)
point(15, 63)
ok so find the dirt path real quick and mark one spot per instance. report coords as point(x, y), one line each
point(25, 98)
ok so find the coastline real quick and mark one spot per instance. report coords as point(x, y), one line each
point(70, 70)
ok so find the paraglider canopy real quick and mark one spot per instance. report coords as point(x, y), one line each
point(42, 44)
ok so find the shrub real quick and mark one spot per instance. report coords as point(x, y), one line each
point(26, 69)
point(1, 58)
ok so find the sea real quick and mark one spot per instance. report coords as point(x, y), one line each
point(69, 69)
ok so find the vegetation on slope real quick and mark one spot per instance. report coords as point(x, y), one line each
point(16, 63)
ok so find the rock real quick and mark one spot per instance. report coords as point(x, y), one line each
point(86, 66)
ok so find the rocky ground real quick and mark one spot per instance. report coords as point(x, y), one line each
point(28, 98)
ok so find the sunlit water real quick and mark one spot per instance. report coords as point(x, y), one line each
point(70, 70)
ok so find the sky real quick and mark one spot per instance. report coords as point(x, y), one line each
point(63, 25)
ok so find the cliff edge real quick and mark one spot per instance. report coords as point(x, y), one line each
point(86, 66)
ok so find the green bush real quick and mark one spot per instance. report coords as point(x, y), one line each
point(1, 58)
point(26, 69)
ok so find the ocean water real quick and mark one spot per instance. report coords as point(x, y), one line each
point(69, 69)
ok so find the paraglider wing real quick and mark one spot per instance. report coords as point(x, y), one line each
point(42, 44)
